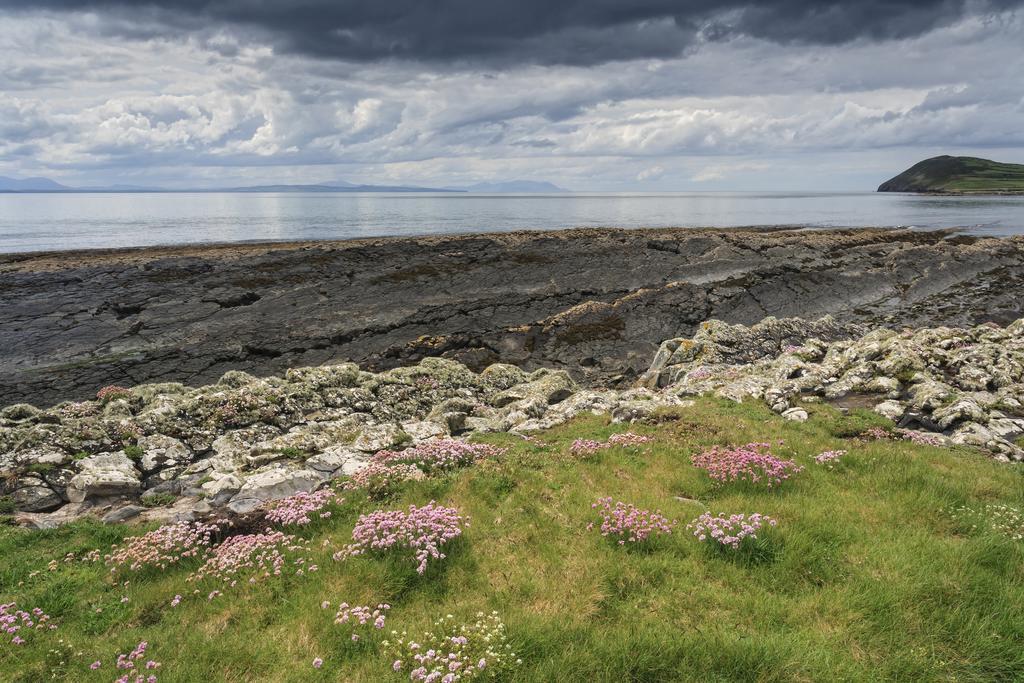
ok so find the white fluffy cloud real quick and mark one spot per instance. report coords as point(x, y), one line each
point(83, 106)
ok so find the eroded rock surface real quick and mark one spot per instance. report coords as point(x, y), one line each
point(594, 302)
point(244, 441)
point(965, 384)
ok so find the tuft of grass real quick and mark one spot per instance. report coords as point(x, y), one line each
point(157, 500)
point(866, 578)
point(134, 452)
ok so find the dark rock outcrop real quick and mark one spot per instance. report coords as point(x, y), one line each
point(594, 302)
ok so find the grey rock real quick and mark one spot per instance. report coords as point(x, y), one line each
point(123, 514)
point(35, 496)
point(221, 484)
point(380, 437)
point(333, 459)
point(894, 410)
point(963, 410)
point(273, 483)
point(107, 474)
point(795, 414)
point(162, 451)
point(524, 297)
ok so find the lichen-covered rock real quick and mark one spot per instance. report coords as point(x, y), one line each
point(338, 458)
point(273, 483)
point(34, 495)
point(379, 438)
point(795, 414)
point(161, 451)
point(893, 410)
point(956, 381)
point(246, 439)
point(546, 386)
point(107, 474)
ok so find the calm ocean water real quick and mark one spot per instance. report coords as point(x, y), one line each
point(30, 222)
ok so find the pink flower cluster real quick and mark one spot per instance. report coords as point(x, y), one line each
point(629, 523)
point(13, 620)
point(112, 391)
point(439, 455)
point(255, 556)
point(828, 457)
point(627, 439)
point(453, 652)
point(387, 469)
point(920, 438)
point(361, 615)
point(728, 531)
point(423, 530)
point(752, 462)
point(298, 509)
point(379, 479)
point(162, 547)
point(585, 447)
point(876, 434)
point(127, 662)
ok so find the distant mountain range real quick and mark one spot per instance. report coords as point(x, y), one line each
point(958, 175)
point(44, 185)
point(525, 186)
point(30, 185)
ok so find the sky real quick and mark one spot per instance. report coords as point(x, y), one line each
point(648, 95)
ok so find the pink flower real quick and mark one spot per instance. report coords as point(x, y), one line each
point(628, 523)
point(753, 463)
point(317, 662)
point(423, 530)
point(298, 509)
point(828, 457)
point(728, 531)
point(95, 665)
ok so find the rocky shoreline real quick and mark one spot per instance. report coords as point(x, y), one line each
point(166, 452)
point(594, 302)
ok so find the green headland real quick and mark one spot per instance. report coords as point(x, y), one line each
point(958, 175)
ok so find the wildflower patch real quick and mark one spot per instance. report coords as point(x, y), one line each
point(752, 463)
point(301, 508)
point(451, 651)
point(422, 530)
point(728, 531)
point(627, 523)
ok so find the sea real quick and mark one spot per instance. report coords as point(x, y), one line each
point(54, 222)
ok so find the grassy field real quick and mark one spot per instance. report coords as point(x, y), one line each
point(867, 576)
point(981, 175)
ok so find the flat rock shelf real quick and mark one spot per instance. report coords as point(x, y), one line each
point(594, 302)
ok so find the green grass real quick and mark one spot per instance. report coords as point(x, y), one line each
point(866, 577)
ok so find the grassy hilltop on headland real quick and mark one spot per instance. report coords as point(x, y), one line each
point(958, 175)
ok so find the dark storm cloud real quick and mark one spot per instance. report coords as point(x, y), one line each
point(581, 32)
